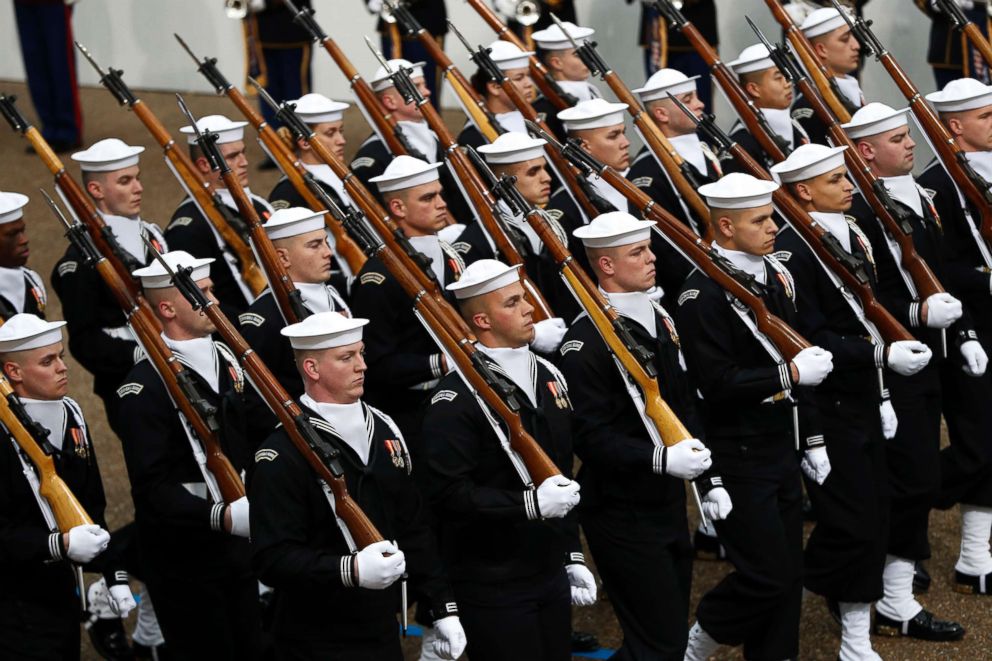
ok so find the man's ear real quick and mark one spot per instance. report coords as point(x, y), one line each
point(310, 369)
point(803, 191)
point(725, 227)
point(95, 190)
point(283, 257)
point(13, 372)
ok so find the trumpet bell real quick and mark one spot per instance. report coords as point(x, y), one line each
point(236, 9)
point(527, 13)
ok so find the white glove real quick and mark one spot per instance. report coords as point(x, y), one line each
point(376, 571)
point(816, 464)
point(583, 585)
point(121, 600)
point(907, 357)
point(449, 638)
point(813, 365)
point(450, 233)
point(975, 360)
point(942, 310)
point(548, 335)
point(716, 504)
point(687, 459)
point(239, 517)
point(890, 423)
point(86, 542)
point(374, 6)
point(798, 10)
point(556, 497)
point(506, 8)
point(255, 6)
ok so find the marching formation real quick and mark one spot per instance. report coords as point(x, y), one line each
point(426, 383)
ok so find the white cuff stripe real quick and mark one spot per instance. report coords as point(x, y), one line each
point(879, 356)
point(530, 507)
point(121, 576)
point(716, 481)
point(885, 394)
point(217, 517)
point(812, 441)
point(346, 577)
point(55, 546)
point(784, 376)
point(577, 558)
point(915, 311)
point(656, 460)
point(436, 365)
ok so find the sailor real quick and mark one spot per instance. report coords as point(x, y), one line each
point(21, 289)
point(513, 62)
point(555, 50)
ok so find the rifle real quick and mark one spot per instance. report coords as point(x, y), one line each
point(679, 171)
point(895, 220)
point(71, 193)
point(182, 389)
point(480, 196)
point(231, 229)
point(384, 124)
point(303, 181)
point(472, 103)
point(969, 182)
point(965, 25)
point(737, 283)
point(549, 87)
point(840, 105)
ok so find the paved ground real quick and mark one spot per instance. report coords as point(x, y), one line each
point(25, 173)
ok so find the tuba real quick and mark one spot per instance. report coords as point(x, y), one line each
point(236, 9)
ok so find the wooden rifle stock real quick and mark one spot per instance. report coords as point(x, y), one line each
point(965, 25)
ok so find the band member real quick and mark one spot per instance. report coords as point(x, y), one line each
point(190, 541)
point(513, 62)
point(39, 606)
point(299, 545)
point(950, 52)
point(21, 289)
point(556, 51)
point(433, 16)
point(190, 231)
point(633, 509)
point(511, 549)
point(99, 337)
point(749, 397)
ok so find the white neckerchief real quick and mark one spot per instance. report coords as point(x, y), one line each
point(12, 286)
point(512, 121)
point(421, 138)
point(690, 148)
point(348, 421)
point(851, 88)
point(519, 222)
point(609, 193)
point(323, 173)
point(128, 233)
point(836, 224)
point(519, 365)
point(582, 90)
point(780, 121)
point(905, 190)
point(228, 199)
point(981, 161)
point(318, 297)
point(637, 306)
point(51, 415)
point(199, 355)
point(745, 261)
point(430, 245)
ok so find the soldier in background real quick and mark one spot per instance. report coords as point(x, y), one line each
point(21, 289)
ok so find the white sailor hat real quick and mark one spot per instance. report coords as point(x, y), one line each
point(154, 276)
point(822, 21)
point(808, 161)
point(226, 130)
point(613, 229)
point(405, 172)
point(961, 94)
point(26, 331)
point(12, 207)
point(284, 223)
point(875, 118)
point(507, 56)
point(665, 81)
point(753, 58)
point(324, 330)
point(552, 37)
point(738, 191)
point(512, 147)
point(592, 114)
point(381, 78)
point(483, 276)
point(317, 109)
point(107, 155)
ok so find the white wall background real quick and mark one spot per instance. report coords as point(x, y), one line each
point(136, 35)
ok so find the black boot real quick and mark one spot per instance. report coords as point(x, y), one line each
point(968, 584)
point(707, 547)
point(109, 639)
point(583, 641)
point(922, 627)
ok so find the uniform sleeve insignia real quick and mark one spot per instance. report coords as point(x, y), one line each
point(363, 162)
point(461, 247)
point(68, 267)
point(280, 204)
point(182, 221)
point(555, 213)
point(571, 345)
point(372, 279)
point(443, 396)
point(251, 319)
point(265, 455)
point(129, 389)
point(782, 255)
point(688, 295)
point(802, 113)
point(931, 193)
point(643, 182)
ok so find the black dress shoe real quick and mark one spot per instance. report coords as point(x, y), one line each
point(708, 547)
point(921, 578)
point(152, 653)
point(583, 641)
point(109, 640)
point(922, 627)
point(968, 584)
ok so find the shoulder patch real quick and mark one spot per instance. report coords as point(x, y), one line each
point(363, 162)
point(182, 221)
point(571, 345)
point(68, 267)
point(555, 213)
point(931, 193)
point(642, 182)
point(372, 278)
point(782, 255)
point(688, 295)
point(129, 389)
point(265, 455)
point(461, 247)
point(251, 319)
point(280, 204)
point(802, 113)
point(443, 396)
